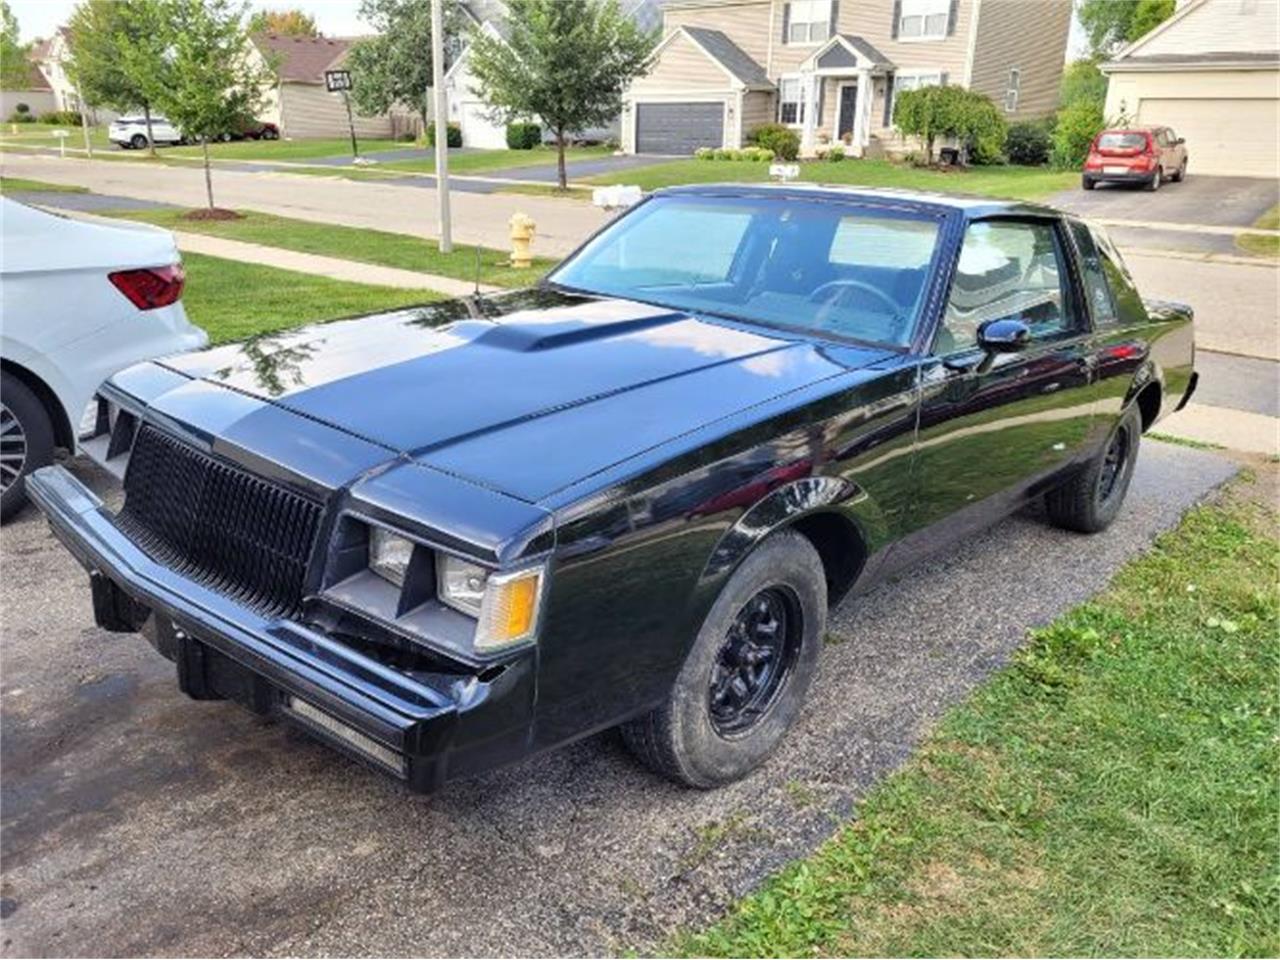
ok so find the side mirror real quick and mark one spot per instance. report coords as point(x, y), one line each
point(1180, 141)
point(1003, 336)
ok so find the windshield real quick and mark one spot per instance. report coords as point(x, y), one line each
point(1122, 141)
point(845, 269)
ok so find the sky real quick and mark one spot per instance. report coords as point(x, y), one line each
point(336, 18)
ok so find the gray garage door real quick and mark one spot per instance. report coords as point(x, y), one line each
point(678, 127)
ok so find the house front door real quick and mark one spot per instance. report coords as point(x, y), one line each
point(844, 117)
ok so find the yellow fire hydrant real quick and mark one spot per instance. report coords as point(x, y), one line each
point(522, 232)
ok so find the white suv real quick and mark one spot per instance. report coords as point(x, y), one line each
point(132, 131)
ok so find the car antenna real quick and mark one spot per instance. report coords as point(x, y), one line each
point(476, 250)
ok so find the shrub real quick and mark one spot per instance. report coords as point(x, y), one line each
point(65, 118)
point(724, 154)
point(704, 153)
point(835, 154)
point(933, 112)
point(523, 136)
point(16, 117)
point(453, 138)
point(1028, 144)
point(1077, 125)
point(778, 139)
point(21, 108)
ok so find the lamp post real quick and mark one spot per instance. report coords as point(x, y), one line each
point(442, 125)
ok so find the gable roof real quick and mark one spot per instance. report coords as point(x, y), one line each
point(301, 59)
point(36, 80)
point(855, 45)
point(1220, 36)
point(730, 56)
point(866, 49)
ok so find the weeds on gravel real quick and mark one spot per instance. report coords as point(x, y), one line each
point(1114, 791)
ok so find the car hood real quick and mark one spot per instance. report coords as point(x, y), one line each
point(524, 393)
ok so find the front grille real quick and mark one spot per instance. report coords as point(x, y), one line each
point(220, 526)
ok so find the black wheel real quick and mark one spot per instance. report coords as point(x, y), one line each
point(269, 134)
point(1091, 499)
point(224, 137)
point(26, 441)
point(1087, 183)
point(746, 676)
point(138, 141)
point(1157, 178)
point(1181, 173)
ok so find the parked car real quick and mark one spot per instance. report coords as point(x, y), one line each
point(131, 132)
point(445, 538)
point(1141, 155)
point(250, 129)
point(80, 301)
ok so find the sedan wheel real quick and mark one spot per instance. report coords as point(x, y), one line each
point(1156, 179)
point(26, 442)
point(1091, 499)
point(138, 141)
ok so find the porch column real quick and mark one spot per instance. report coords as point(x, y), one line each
point(808, 133)
point(861, 113)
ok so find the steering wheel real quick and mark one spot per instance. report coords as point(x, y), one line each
point(821, 295)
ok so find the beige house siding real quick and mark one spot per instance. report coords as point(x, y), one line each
point(757, 108)
point(682, 65)
point(308, 110)
point(1237, 26)
point(1029, 36)
point(745, 21)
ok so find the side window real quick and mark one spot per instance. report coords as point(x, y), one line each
point(1008, 270)
point(1124, 295)
point(1096, 290)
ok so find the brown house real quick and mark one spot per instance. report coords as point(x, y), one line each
point(831, 68)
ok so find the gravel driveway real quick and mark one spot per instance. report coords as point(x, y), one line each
point(135, 821)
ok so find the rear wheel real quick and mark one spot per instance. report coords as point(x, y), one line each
point(138, 141)
point(1156, 179)
point(1087, 183)
point(746, 676)
point(1090, 500)
point(26, 441)
point(269, 134)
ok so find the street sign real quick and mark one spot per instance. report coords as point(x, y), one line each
point(337, 80)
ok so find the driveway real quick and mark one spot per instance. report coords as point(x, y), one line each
point(135, 821)
point(1198, 201)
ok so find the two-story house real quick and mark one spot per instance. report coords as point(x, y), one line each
point(831, 68)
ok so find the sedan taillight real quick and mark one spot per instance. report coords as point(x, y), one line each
point(151, 287)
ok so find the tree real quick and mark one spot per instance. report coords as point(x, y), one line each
point(1078, 123)
point(1082, 81)
point(211, 83)
point(285, 23)
point(393, 67)
point(932, 112)
point(565, 62)
point(117, 54)
point(1111, 24)
point(15, 68)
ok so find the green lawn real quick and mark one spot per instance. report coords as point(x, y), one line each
point(484, 161)
point(281, 149)
point(41, 134)
point(353, 243)
point(1113, 792)
point(233, 300)
point(20, 184)
point(1019, 183)
point(1259, 244)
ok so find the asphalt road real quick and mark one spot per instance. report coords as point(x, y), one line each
point(134, 821)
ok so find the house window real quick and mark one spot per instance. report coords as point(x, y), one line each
point(924, 19)
point(810, 21)
point(1011, 91)
point(913, 81)
point(792, 95)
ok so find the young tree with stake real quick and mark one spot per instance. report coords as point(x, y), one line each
point(212, 82)
point(566, 62)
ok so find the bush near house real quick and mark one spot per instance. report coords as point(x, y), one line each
point(936, 112)
point(523, 136)
point(756, 154)
point(779, 139)
point(1078, 124)
point(22, 114)
point(61, 118)
point(1028, 143)
point(453, 138)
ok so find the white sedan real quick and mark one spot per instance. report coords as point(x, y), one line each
point(78, 301)
point(132, 131)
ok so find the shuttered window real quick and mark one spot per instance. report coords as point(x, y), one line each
point(924, 19)
point(792, 94)
point(809, 21)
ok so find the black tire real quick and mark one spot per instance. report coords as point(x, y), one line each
point(138, 141)
point(690, 739)
point(1087, 183)
point(23, 416)
point(269, 135)
point(1156, 179)
point(1181, 173)
point(1090, 500)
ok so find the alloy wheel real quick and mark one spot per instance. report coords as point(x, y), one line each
point(754, 662)
point(13, 448)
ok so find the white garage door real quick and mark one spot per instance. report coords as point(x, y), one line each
point(478, 130)
point(1228, 137)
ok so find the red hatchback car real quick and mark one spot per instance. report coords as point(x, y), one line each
point(1145, 155)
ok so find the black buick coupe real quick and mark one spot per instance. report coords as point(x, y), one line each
point(446, 538)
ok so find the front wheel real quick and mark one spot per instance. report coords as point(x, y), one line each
point(746, 676)
point(1091, 500)
point(1181, 173)
point(26, 441)
point(138, 141)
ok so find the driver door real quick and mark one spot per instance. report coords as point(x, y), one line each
point(993, 428)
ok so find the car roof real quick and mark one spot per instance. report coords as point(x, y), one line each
point(972, 207)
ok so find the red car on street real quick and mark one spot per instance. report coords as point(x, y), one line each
point(1145, 155)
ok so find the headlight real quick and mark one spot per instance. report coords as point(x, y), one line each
point(389, 555)
point(505, 605)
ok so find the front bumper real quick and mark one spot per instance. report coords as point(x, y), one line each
point(422, 728)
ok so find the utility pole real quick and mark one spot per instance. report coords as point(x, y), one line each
point(84, 123)
point(442, 124)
